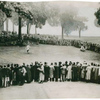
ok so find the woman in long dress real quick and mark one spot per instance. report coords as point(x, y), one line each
point(88, 73)
point(83, 71)
point(63, 72)
point(69, 74)
point(41, 73)
point(51, 72)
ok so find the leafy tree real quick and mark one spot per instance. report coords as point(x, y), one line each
point(97, 20)
point(2, 20)
point(79, 24)
point(68, 19)
point(23, 14)
point(41, 12)
point(67, 22)
point(63, 18)
point(6, 8)
point(38, 10)
point(81, 27)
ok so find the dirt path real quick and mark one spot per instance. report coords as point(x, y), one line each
point(27, 91)
point(51, 90)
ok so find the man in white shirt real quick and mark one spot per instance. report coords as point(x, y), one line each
point(28, 48)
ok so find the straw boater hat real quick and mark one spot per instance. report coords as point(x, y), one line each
point(78, 64)
point(68, 62)
point(84, 63)
point(41, 63)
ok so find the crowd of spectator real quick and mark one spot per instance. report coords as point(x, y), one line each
point(54, 40)
point(12, 39)
point(8, 39)
point(15, 74)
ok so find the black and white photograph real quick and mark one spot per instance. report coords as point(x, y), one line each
point(49, 49)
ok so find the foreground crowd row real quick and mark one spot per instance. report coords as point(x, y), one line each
point(14, 74)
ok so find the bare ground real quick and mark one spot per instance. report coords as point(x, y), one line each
point(51, 90)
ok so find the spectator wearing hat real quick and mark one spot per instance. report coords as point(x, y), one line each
point(8, 74)
point(32, 71)
point(88, 73)
point(20, 76)
point(56, 72)
point(98, 73)
point(63, 72)
point(51, 72)
point(66, 64)
point(60, 65)
point(15, 74)
point(38, 66)
point(69, 69)
point(92, 72)
point(83, 72)
point(11, 74)
point(4, 76)
point(28, 75)
point(79, 68)
point(0, 75)
point(35, 72)
point(46, 72)
point(41, 73)
point(74, 72)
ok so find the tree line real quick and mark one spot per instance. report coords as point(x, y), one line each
point(38, 13)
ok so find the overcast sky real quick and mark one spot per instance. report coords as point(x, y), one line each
point(86, 9)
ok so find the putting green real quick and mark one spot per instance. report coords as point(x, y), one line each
point(47, 53)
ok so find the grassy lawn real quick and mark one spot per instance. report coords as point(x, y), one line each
point(44, 53)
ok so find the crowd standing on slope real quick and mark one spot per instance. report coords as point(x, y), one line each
point(15, 74)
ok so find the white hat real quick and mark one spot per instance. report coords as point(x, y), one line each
point(84, 63)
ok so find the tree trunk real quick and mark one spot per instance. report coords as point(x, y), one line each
point(13, 28)
point(62, 33)
point(3, 27)
point(7, 24)
point(79, 32)
point(67, 34)
point(27, 28)
point(35, 30)
point(19, 30)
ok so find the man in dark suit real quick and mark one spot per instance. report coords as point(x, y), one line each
point(60, 65)
point(56, 72)
point(0, 75)
point(36, 72)
point(32, 71)
point(46, 72)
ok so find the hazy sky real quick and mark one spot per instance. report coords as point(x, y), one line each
point(86, 9)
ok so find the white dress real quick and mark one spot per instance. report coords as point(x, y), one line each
point(69, 75)
point(51, 75)
point(88, 74)
point(41, 75)
point(82, 48)
point(27, 47)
